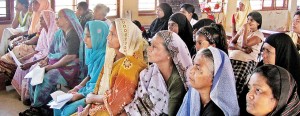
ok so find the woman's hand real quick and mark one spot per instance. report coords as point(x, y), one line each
point(85, 111)
point(43, 63)
point(90, 98)
point(48, 67)
point(246, 27)
point(26, 66)
point(76, 96)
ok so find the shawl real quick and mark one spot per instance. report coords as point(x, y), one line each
point(35, 26)
point(223, 92)
point(241, 16)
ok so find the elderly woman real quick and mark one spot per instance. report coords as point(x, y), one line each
point(279, 50)
point(49, 26)
point(244, 49)
point(163, 12)
point(179, 24)
point(95, 43)
point(61, 64)
point(20, 24)
point(118, 80)
point(273, 92)
point(212, 91)
point(100, 13)
point(162, 85)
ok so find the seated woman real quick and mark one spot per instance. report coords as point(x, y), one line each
point(83, 13)
point(117, 82)
point(244, 49)
point(49, 26)
point(100, 13)
point(162, 85)
point(273, 92)
point(211, 78)
point(189, 11)
point(95, 43)
point(240, 17)
point(163, 12)
point(280, 50)
point(201, 23)
point(179, 24)
point(61, 64)
point(19, 26)
point(212, 35)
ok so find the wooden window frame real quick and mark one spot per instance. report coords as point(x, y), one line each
point(148, 12)
point(74, 5)
point(9, 13)
point(273, 6)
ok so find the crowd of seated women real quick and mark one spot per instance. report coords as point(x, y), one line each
point(190, 67)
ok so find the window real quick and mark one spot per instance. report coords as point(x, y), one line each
point(211, 3)
point(6, 11)
point(267, 4)
point(298, 4)
point(71, 4)
point(147, 5)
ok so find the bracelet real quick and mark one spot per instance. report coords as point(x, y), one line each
point(78, 87)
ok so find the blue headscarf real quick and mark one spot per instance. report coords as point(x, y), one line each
point(94, 57)
point(223, 92)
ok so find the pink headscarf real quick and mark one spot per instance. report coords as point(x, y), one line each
point(35, 25)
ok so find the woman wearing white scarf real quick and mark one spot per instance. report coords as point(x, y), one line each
point(160, 92)
point(215, 82)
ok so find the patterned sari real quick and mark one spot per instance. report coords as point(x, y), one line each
point(67, 75)
point(119, 79)
point(43, 44)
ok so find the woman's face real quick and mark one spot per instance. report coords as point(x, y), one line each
point(157, 52)
point(241, 6)
point(61, 20)
point(87, 38)
point(260, 99)
point(252, 23)
point(99, 14)
point(19, 6)
point(200, 75)
point(268, 54)
point(35, 5)
point(80, 11)
point(160, 13)
point(172, 26)
point(112, 38)
point(201, 42)
point(186, 13)
point(43, 22)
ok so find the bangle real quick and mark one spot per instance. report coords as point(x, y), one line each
point(78, 87)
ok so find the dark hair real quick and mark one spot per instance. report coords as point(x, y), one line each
point(215, 34)
point(25, 3)
point(190, 9)
point(167, 9)
point(273, 77)
point(202, 23)
point(83, 5)
point(257, 17)
point(297, 13)
point(137, 23)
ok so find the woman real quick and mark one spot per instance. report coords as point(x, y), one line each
point(61, 64)
point(49, 26)
point(273, 92)
point(279, 50)
point(201, 23)
point(95, 43)
point(83, 13)
point(118, 80)
point(211, 78)
point(163, 12)
point(240, 17)
point(100, 12)
point(179, 24)
point(162, 85)
point(20, 24)
point(244, 49)
point(38, 6)
point(189, 11)
point(212, 35)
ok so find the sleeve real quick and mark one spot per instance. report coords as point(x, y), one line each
point(177, 93)
point(73, 43)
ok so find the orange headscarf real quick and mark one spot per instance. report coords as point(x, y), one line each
point(35, 25)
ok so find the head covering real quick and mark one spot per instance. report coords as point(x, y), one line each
point(241, 16)
point(257, 17)
point(288, 103)
point(25, 3)
point(46, 37)
point(223, 91)
point(202, 23)
point(161, 23)
point(130, 39)
point(35, 26)
point(287, 55)
point(152, 77)
point(185, 29)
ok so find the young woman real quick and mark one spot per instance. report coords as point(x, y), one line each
point(244, 49)
point(162, 85)
point(95, 35)
point(83, 13)
point(272, 92)
point(212, 91)
point(189, 11)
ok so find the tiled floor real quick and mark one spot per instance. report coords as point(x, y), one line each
point(10, 105)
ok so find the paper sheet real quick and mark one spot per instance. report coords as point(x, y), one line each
point(37, 75)
point(59, 99)
point(15, 58)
